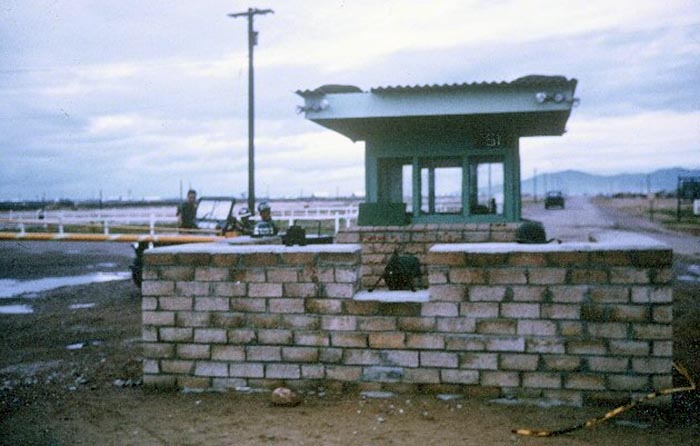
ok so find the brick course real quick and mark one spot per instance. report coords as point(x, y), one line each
point(562, 323)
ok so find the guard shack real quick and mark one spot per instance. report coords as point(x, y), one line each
point(443, 153)
point(571, 322)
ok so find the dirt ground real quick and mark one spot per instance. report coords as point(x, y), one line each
point(91, 393)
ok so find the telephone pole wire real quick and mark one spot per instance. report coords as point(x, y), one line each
point(252, 41)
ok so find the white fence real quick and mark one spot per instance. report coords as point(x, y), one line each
point(149, 219)
point(138, 219)
point(336, 214)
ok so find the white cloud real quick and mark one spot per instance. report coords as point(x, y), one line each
point(114, 123)
point(109, 71)
point(338, 41)
point(141, 95)
point(632, 143)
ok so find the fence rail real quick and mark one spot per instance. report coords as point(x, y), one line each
point(149, 219)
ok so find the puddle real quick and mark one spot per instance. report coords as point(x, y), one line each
point(12, 288)
point(103, 265)
point(30, 369)
point(377, 394)
point(544, 403)
point(693, 274)
point(449, 396)
point(80, 345)
point(79, 306)
point(16, 309)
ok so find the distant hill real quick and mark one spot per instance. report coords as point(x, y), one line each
point(573, 182)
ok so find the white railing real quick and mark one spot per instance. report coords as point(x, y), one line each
point(107, 224)
point(345, 214)
point(148, 219)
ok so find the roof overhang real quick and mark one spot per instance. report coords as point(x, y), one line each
point(529, 106)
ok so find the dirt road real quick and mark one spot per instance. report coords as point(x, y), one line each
point(70, 375)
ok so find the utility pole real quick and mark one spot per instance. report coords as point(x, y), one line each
point(252, 41)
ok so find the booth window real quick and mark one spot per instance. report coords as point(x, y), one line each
point(441, 186)
point(486, 186)
point(407, 186)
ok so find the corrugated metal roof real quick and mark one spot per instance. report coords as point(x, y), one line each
point(533, 80)
point(330, 89)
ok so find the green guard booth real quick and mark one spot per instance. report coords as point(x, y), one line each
point(443, 153)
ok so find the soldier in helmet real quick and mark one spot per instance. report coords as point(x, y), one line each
point(265, 226)
point(242, 223)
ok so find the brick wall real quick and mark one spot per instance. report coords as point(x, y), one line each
point(379, 242)
point(572, 322)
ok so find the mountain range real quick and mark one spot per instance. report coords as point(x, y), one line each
point(573, 182)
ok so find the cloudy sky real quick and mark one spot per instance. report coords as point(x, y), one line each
point(132, 98)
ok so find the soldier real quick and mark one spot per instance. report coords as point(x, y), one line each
point(242, 224)
point(265, 226)
point(187, 211)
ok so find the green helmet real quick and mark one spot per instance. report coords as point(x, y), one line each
point(530, 232)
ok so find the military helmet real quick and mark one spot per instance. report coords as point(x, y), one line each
point(244, 212)
point(264, 206)
point(530, 232)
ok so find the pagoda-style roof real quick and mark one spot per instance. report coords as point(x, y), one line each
point(533, 105)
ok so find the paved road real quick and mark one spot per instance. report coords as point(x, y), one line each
point(581, 217)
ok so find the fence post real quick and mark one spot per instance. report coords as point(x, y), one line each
point(60, 223)
point(105, 223)
point(152, 225)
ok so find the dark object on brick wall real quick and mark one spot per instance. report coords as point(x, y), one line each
point(296, 235)
point(530, 232)
point(401, 273)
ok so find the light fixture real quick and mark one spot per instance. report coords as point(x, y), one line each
point(321, 105)
point(542, 97)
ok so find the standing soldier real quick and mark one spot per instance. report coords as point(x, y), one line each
point(187, 212)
